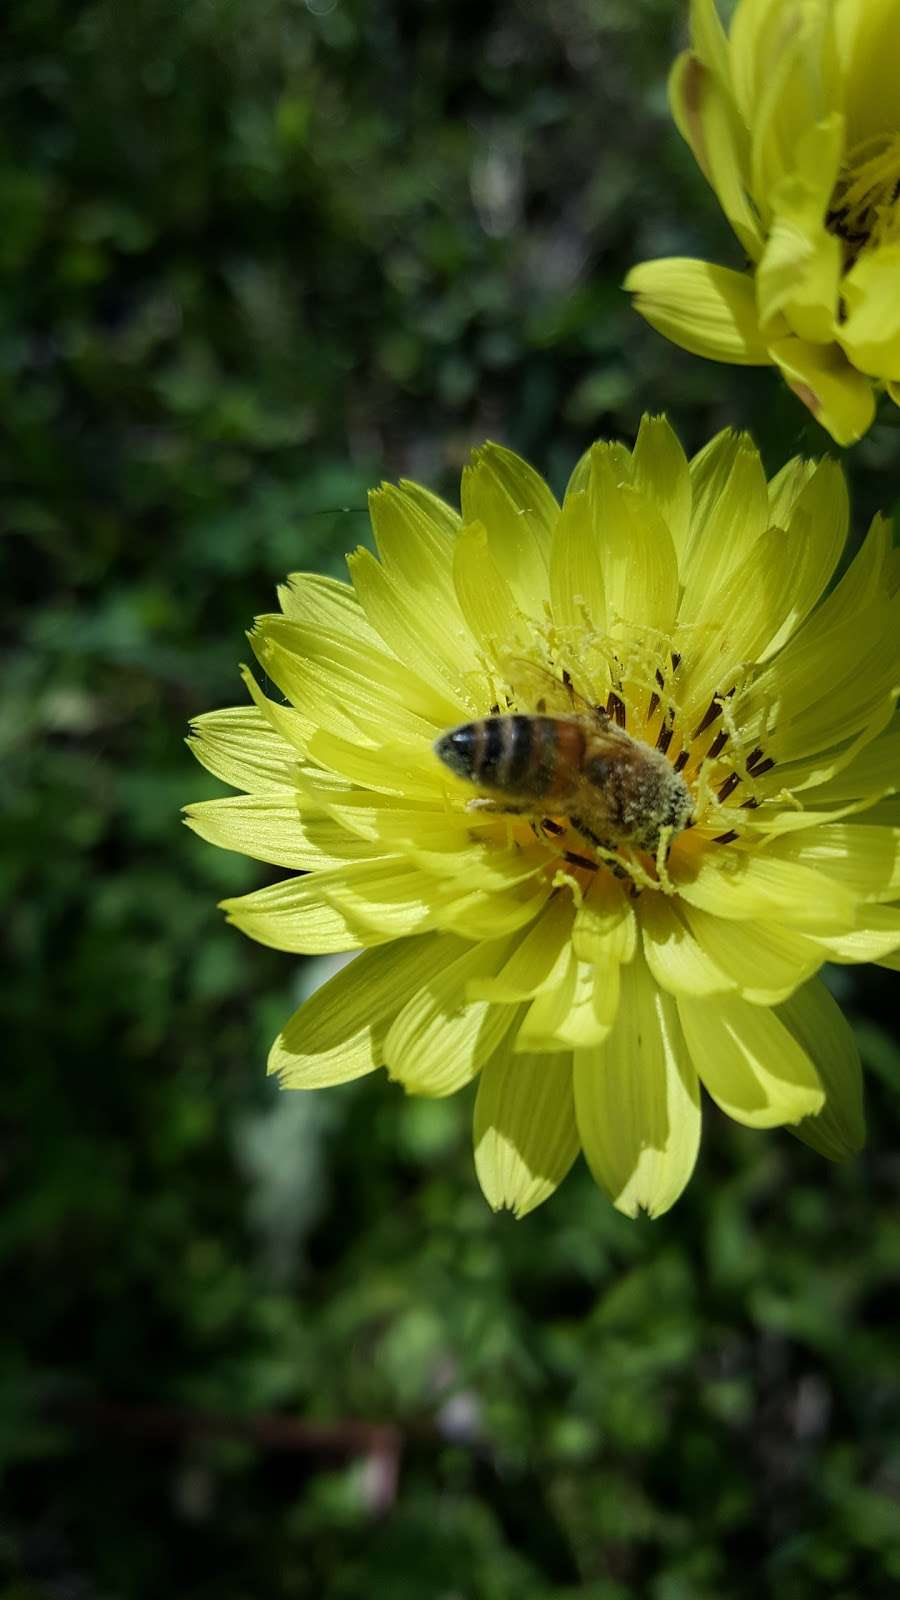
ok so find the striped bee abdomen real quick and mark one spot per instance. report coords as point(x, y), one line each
point(531, 757)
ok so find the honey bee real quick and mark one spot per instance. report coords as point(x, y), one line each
point(612, 788)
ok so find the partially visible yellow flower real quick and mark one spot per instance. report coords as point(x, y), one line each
point(794, 118)
point(590, 985)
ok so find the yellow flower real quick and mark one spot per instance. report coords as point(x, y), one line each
point(794, 118)
point(592, 983)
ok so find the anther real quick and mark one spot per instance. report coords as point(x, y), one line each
point(713, 711)
point(749, 805)
point(728, 787)
point(676, 660)
point(580, 861)
point(615, 707)
point(682, 760)
point(549, 826)
point(718, 744)
point(726, 838)
point(764, 766)
point(753, 757)
point(654, 702)
point(664, 737)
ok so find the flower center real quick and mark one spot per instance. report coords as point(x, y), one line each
point(865, 205)
point(711, 764)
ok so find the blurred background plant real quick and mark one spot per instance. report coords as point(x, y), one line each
point(255, 255)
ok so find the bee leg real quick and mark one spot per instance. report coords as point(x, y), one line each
point(666, 835)
point(609, 858)
point(581, 827)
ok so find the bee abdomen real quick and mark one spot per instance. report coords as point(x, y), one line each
point(514, 754)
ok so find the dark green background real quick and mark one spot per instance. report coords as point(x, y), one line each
point(256, 254)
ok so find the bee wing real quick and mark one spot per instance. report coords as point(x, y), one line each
point(537, 689)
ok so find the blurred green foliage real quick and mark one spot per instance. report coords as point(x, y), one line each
point(254, 255)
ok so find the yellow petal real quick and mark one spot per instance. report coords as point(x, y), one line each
point(637, 1101)
point(796, 91)
point(578, 1009)
point(675, 958)
point(516, 507)
point(739, 886)
point(707, 119)
point(410, 770)
point(875, 936)
point(820, 705)
point(240, 747)
point(821, 376)
point(486, 913)
point(359, 692)
point(534, 960)
point(750, 1062)
point(577, 590)
point(862, 858)
point(764, 961)
point(730, 512)
point(725, 630)
point(339, 1033)
point(605, 927)
point(275, 828)
point(870, 31)
point(799, 276)
point(708, 310)
point(875, 770)
point(870, 333)
point(486, 600)
point(640, 567)
point(822, 1030)
point(760, 30)
point(785, 487)
point(298, 915)
point(293, 726)
point(414, 545)
point(440, 1040)
point(661, 473)
point(709, 39)
point(430, 639)
point(310, 597)
point(817, 524)
point(524, 1128)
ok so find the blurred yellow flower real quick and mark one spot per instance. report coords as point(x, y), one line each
point(592, 976)
point(794, 118)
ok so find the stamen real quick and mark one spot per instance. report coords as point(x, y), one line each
point(654, 702)
point(864, 207)
point(713, 711)
point(664, 737)
point(682, 760)
point(728, 787)
point(764, 766)
point(580, 861)
point(726, 838)
point(549, 826)
point(718, 744)
point(615, 707)
point(753, 757)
